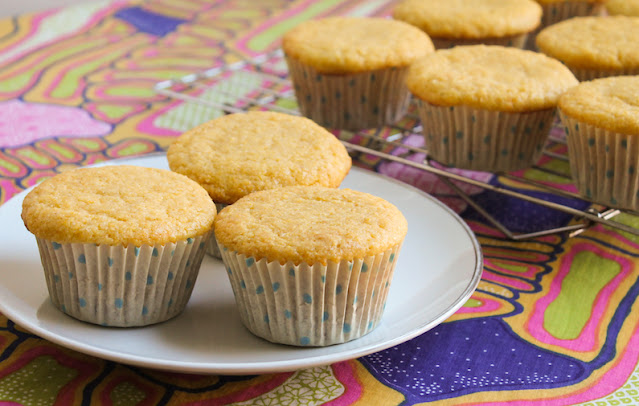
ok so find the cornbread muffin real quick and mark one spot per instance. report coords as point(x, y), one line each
point(602, 126)
point(120, 245)
point(623, 7)
point(594, 47)
point(348, 72)
point(462, 22)
point(310, 265)
point(238, 154)
point(487, 107)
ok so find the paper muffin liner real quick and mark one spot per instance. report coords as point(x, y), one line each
point(553, 13)
point(310, 305)
point(591, 74)
point(516, 41)
point(484, 140)
point(604, 164)
point(122, 286)
point(353, 101)
point(211, 246)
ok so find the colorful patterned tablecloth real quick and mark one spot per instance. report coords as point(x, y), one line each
point(553, 321)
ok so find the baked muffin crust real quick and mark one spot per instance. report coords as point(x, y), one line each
point(609, 103)
point(238, 154)
point(310, 224)
point(343, 45)
point(623, 7)
point(489, 77)
point(116, 205)
point(593, 42)
point(470, 19)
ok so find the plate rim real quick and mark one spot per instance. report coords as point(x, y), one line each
point(257, 367)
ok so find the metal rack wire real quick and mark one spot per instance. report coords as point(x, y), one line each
point(265, 85)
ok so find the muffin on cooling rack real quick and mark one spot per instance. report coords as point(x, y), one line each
point(348, 72)
point(623, 7)
point(594, 47)
point(120, 245)
point(310, 266)
point(602, 126)
point(238, 154)
point(462, 22)
point(487, 108)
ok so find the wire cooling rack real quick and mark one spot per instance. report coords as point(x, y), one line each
point(262, 83)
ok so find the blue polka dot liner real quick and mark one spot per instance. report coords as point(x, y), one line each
point(484, 140)
point(211, 245)
point(320, 305)
point(120, 286)
point(603, 163)
point(349, 101)
point(557, 11)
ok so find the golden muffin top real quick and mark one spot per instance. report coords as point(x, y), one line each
point(623, 7)
point(116, 205)
point(490, 77)
point(238, 154)
point(593, 42)
point(310, 224)
point(343, 45)
point(470, 19)
point(609, 103)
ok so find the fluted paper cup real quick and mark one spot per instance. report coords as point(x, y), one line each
point(351, 101)
point(211, 246)
point(583, 74)
point(122, 286)
point(516, 41)
point(310, 305)
point(555, 12)
point(604, 164)
point(484, 140)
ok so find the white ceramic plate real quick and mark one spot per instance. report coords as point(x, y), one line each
point(438, 269)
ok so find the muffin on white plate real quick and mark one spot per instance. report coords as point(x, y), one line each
point(309, 265)
point(120, 245)
point(238, 154)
